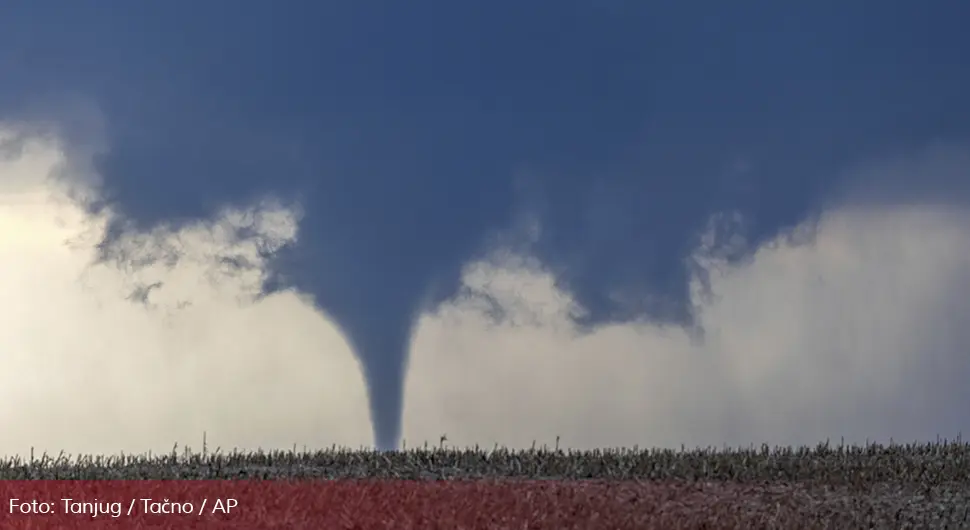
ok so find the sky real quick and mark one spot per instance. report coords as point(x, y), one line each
point(371, 223)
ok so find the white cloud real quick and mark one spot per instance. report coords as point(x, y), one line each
point(85, 369)
point(862, 332)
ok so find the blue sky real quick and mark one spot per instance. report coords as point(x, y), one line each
point(599, 138)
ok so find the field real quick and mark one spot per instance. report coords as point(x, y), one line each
point(875, 486)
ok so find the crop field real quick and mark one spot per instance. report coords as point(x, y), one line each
point(827, 486)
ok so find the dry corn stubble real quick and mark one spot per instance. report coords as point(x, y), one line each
point(894, 486)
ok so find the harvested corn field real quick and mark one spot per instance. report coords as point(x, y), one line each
point(875, 486)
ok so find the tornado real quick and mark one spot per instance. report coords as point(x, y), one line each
point(378, 329)
point(384, 362)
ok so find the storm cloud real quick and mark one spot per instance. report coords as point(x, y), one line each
point(400, 144)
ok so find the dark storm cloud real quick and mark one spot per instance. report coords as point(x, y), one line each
point(411, 133)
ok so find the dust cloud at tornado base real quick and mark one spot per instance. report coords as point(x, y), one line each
point(859, 331)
